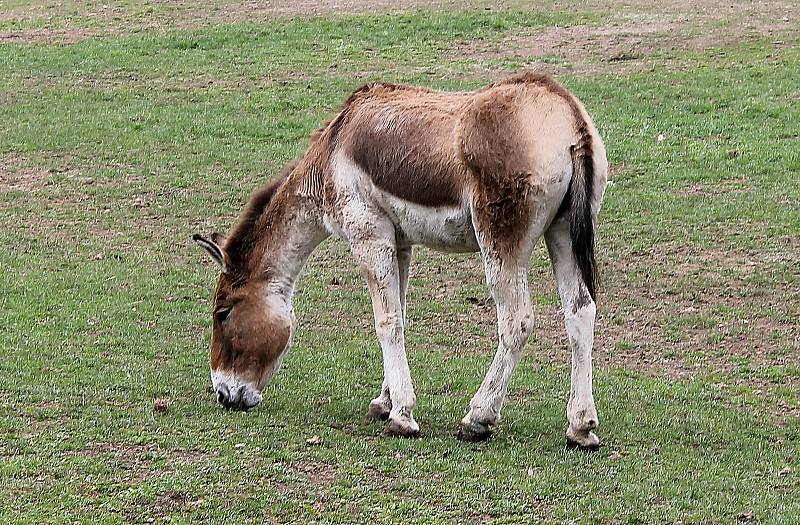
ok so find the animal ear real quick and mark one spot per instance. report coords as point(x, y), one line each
point(219, 239)
point(213, 249)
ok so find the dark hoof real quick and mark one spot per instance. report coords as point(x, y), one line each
point(574, 445)
point(474, 432)
point(589, 443)
point(397, 429)
point(378, 412)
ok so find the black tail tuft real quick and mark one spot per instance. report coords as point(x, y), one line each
point(581, 220)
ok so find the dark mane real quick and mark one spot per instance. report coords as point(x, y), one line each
point(242, 238)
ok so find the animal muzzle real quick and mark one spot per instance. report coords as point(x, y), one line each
point(235, 395)
point(238, 398)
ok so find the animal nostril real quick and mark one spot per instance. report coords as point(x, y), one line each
point(230, 398)
point(223, 394)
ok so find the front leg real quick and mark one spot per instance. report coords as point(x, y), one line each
point(378, 261)
point(404, 268)
point(381, 406)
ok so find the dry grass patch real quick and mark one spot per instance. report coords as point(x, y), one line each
point(49, 36)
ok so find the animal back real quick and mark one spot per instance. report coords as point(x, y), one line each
point(409, 153)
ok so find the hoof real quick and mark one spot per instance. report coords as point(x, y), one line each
point(406, 429)
point(474, 432)
point(378, 411)
point(583, 441)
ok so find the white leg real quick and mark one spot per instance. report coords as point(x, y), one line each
point(378, 261)
point(381, 406)
point(404, 267)
point(579, 314)
point(507, 279)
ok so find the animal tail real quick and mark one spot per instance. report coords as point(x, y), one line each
point(578, 201)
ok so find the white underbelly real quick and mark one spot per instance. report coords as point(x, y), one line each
point(444, 228)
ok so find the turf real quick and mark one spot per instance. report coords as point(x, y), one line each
point(115, 148)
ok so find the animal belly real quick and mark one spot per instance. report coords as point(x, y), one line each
point(444, 228)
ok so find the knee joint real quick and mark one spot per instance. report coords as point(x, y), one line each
point(516, 331)
point(388, 325)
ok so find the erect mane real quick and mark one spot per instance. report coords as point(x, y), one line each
point(243, 237)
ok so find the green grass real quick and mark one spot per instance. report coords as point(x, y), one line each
point(115, 149)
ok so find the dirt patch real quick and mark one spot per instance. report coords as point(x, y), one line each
point(45, 36)
point(64, 22)
point(711, 190)
point(679, 312)
point(628, 32)
point(320, 475)
point(72, 201)
point(237, 11)
point(17, 174)
point(628, 42)
point(122, 450)
point(674, 311)
point(137, 463)
point(575, 49)
point(715, 9)
point(170, 501)
point(219, 10)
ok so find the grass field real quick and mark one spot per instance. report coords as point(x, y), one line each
point(126, 128)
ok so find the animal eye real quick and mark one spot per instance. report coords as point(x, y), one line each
point(222, 313)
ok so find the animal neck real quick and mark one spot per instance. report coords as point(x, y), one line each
point(288, 231)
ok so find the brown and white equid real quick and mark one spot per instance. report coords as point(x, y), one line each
point(491, 171)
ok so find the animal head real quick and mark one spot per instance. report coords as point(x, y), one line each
point(251, 329)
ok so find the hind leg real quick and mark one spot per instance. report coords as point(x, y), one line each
point(579, 314)
point(507, 279)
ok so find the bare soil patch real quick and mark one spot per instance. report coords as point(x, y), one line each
point(629, 37)
point(236, 11)
point(627, 34)
point(320, 475)
point(17, 174)
point(136, 463)
point(137, 452)
point(45, 36)
point(64, 21)
point(704, 311)
point(72, 201)
point(682, 312)
point(672, 312)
